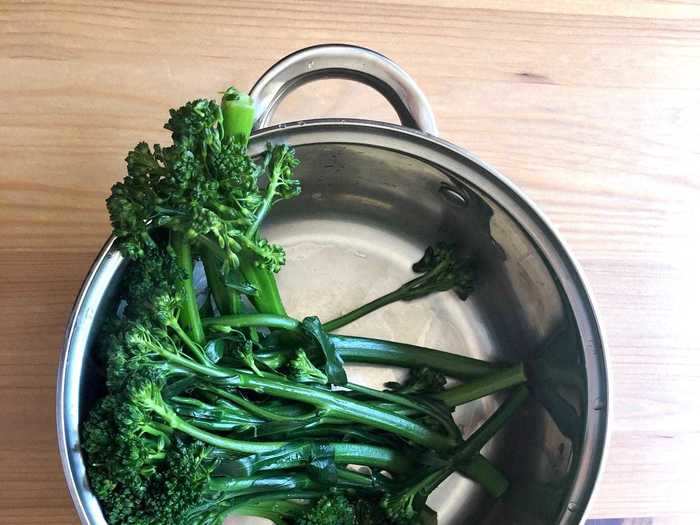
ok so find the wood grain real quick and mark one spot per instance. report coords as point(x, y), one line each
point(593, 108)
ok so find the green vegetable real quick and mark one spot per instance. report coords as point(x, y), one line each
point(441, 269)
point(233, 407)
point(206, 191)
point(334, 509)
point(376, 351)
point(238, 113)
point(353, 349)
point(302, 370)
point(407, 504)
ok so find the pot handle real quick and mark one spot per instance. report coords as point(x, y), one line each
point(348, 62)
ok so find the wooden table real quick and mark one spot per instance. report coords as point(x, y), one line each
point(592, 107)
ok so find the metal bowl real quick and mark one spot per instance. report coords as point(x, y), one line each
point(375, 195)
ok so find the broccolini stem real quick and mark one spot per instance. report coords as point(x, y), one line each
point(257, 409)
point(371, 456)
point(355, 479)
point(212, 247)
point(277, 506)
point(183, 362)
point(238, 113)
point(466, 457)
point(463, 456)
point(332, 403)
point(475, 389)
point(337, 405)
point(368, 308)
point(493, 424)
point(194, 347)
point(446, 422)
point(377, 351)
point(344, 453)
point(256, 320)
point(483, 386)
point(267, 300)
point(251, 447)
point(383, 458)
point(261, 483)
point(227, 300)
point(279, 495)
point(214, 426)
point(485, 474)
point(271, 481)
point(197, 410)
point(190, 310)
point(271, 190)
point(352, 454)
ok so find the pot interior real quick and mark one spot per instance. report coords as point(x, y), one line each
point(365, 215)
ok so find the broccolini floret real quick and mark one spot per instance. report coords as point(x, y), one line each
point(441, 269)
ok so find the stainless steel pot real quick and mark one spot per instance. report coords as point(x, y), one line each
point(375, 195)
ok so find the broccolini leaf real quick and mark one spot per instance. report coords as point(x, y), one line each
point(334, 366)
